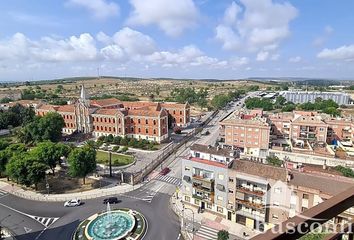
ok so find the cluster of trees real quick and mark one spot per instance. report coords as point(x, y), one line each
point(221, 100)
point(127, 142)
point(44, 128)
point(28, 166)
point(16, 116)
point(189, 94)
point(347, 172)
point(37, 93)
point(82, 161)
point(268, 104)
point(327, 106)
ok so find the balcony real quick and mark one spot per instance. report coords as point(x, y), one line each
point(203, 187)
point(250, 204)
point(202, 178)
point(259, 216)
point(205, 197)
point(250, 191)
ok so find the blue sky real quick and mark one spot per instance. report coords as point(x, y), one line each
point(41, 39)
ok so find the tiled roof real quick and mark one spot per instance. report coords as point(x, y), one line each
point(105, 102)
point(325, 184)
point(212, 150)
point(204, 161)
point(309, 119)
point(66, 108)
point(260, 170)
point(107, 112)
point(238, 118)
point(47, 107)
point(145, 112)
point(173, 105)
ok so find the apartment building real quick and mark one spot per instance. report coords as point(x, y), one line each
point(205, 177)
point(248, 131)
point(258, 194)
point(140, 120)
point(309, 128)
point(308, 96)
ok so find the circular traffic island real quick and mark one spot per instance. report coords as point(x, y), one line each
point(113, 224)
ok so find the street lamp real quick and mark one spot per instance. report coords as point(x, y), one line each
point(1, 227)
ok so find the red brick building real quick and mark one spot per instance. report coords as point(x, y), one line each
point(141, 120)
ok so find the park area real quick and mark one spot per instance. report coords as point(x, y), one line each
point(117, 159)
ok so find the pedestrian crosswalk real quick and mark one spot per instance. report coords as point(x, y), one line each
point(141, 194)
point(45, 221)
point(207, 233)
point(169, 179)
point(3, 193)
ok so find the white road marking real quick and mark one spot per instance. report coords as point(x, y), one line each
point(27, 230)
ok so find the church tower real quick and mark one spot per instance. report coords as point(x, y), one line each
point(84, 98)
point(82, 112)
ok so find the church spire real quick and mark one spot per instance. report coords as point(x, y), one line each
point(83, 95)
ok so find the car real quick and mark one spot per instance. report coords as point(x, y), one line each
point(206, 133)
point(110, 200)
point(165, 171)
point(72, 203)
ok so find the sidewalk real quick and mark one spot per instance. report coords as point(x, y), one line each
point(112, 189)
point(210, 220)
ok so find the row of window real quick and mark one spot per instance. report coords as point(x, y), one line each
point(106, 120)
point(70, 125)
point(67, 116)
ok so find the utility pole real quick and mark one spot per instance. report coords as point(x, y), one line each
point(110, 164)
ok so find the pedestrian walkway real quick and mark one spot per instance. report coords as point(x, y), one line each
point(207, 233)
point(169, 179)
point(45, 221)
point(3, 193)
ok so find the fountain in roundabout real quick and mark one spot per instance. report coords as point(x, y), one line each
point(112, 225)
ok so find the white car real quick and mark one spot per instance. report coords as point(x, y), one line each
point(72, 203)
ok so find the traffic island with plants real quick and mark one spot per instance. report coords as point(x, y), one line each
point(118, 160)
point(127, 142)
point(115, 224)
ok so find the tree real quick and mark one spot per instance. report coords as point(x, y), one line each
point(50, 153)
point(82, 161)
point(274, 160)
point(49, 127)
point(26, 169)
point(223, 235)
point(288, 107)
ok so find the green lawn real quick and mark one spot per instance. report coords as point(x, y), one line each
point(117, 159)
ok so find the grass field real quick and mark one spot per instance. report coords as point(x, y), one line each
point(117, 159)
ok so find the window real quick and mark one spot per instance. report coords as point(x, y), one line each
point(110, 129)
point(303, 209)
point(196, 201)
point(131, 120)
point(154, 122)
point(187, 168)
point(180, 112)
point(180, 120)
point(305, 196)
point(139, 130)
point(187, 198)
point(220, 209)
point(209, 205)
point(154, 131)
point(174, 112)
point(231, 191)
point(139, 120)
point(146, 121)
point(105, 128)
point(277, 190)
point(146, 130)
point(231, 179)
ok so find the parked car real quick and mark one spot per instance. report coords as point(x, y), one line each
point(165, 171)
point(72, 203)
point(110, 200)
point(206, 133)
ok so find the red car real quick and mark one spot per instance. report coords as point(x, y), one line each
point(165, 171)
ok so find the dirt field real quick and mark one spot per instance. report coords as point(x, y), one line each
point(141, 88)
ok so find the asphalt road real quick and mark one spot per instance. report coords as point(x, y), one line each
point(33, 220)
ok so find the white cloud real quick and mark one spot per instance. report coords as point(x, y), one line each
point(262, 24)
point(101, 9)
point(238, 61)
point(262, 56)
point(345, 52)
point(275, 57)
point(134, 42)
point(103, 38)
point(171, 16)
point(295, 59)
point(320, 40)
point(112, 52)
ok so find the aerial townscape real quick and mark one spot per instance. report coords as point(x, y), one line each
point(176, 120)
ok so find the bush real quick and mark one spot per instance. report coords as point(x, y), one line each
point(347, 172)
point(115, 148)
point(124, 141)
point(101, 138)
point(223, 235)
point(117, 140)
point(124, 149)
point(109, 138)
point(274, 160)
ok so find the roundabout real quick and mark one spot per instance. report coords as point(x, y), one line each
point(113, 224)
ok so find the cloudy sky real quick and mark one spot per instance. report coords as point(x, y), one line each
point(44, 39)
